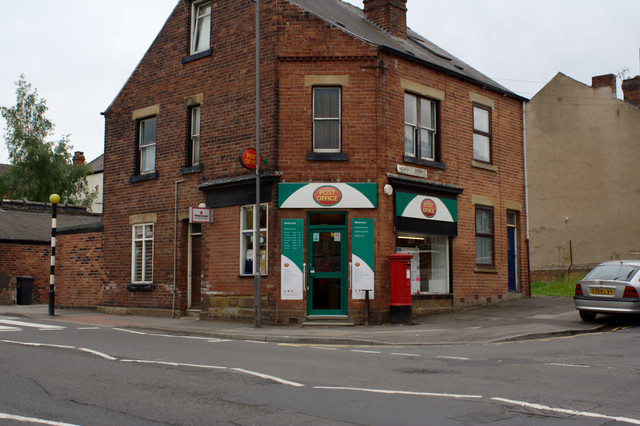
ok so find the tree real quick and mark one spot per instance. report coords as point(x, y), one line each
point(39, 167)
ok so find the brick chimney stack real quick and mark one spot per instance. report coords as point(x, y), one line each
point(390, 15)
point(631, 90)
point(78, 158)
point(607, 80)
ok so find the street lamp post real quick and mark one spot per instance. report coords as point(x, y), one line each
point(54, 199)
point(257, 292)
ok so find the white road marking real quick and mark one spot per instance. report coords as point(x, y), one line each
point(256, 341)
point(10, 321)
point(268, 377)
point(174, 364)
point(365, 352)
point(130, 331)
point(566, 411)
point(88, 328)
point(46, 345)
point(100, 354)
point(397, 392)
point(401, 354)
point(555, 364)
point(6, 328)
point(325, 349)
point(459, 358)
point(32, 420)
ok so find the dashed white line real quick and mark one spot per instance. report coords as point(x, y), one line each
point(100, 354)
point(256, 341)
point(566, 411)
point(324, 349)
point(88, 328)
point(268, 377)
point(365, 352)
point(401, 354)
point(45, 345)
point(555, 364)
point(397, 392)
point(129, 331)
point(174, 364)
point(23, 419)
point(458, 358)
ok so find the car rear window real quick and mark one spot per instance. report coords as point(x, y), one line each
point(612, 272)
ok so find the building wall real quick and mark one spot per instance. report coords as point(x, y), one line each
point(372, 129)
point(80, 270)
point(24, 259)
point(582, 150)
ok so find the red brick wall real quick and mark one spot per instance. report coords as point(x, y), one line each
point(23, 259)
point(294, 45)
point(80, 271)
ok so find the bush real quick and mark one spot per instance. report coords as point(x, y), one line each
point(561, 286)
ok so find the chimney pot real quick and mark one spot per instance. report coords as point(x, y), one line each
point(607, 80)
point(390, 15)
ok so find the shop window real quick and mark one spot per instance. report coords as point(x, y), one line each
point(201, 27)
point(430, 262)
point(484, 236)
point(420, 136)
point(142, 257)
point(482, 134)
point(326, 120)
point(247, 234)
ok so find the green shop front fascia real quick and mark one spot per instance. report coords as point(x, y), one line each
point(324, 274)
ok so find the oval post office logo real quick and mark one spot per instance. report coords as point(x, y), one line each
point(428, 208)
point(327, 195)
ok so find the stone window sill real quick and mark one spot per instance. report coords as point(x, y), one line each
point(486, 269)
point(484, 166)
point(196, 56)
point(141, 287)
point(142, 178)
point(422, 162)
point(327, 156)
point(185, 170)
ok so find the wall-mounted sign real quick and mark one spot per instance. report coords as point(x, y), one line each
point(327, 195)
point(248, 158)
point(362, 258)
point(426, 207)
point(411, 171)
point(200, 215)
point(291, 260)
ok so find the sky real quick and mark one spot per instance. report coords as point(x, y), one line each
point(79, 53)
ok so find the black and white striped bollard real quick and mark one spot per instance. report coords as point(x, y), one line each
point(54, 199)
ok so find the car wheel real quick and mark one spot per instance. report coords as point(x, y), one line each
point(588, 315)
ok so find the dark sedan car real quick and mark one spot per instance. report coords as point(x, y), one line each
point(611, 287)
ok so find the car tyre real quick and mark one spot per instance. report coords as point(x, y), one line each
point(588, 315)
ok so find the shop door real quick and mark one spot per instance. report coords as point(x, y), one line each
point(327, 272)
point(195, 266)
point(512, 252)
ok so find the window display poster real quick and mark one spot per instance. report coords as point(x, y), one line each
point(415, 267)
point(291, 260)
point(362, 258)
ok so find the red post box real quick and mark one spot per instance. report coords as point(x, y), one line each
point(400, 310)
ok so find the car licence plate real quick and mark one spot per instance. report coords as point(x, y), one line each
point(602, 291)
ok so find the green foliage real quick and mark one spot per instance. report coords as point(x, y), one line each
point(561, 286)
point(39, 167)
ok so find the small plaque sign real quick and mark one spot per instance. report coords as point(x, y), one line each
point(200, 215)
point(411, 171)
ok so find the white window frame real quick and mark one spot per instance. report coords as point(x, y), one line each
point(317, 120)
point(248, 245)
point(418, 129)
point(144, 279)
point(200, 20)
point(482, 135)
point(196, 114)
point(147, 148)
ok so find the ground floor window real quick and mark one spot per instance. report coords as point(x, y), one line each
point(247, 233)
point(430, 262)
point(142, 262)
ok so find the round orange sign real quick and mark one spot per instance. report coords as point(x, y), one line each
point(428, 208)
point(327, 195)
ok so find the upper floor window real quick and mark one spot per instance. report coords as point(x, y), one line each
point(195, 136)
point(147, 145)
point(201, 27)
point(482, 134)
point(326, 119)
point(420, 127)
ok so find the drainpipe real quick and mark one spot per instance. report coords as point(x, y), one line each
point(175, 245)
point(526, 191)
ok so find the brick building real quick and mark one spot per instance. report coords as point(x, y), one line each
point(375, 141)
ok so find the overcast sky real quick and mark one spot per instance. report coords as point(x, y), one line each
point(79, 53)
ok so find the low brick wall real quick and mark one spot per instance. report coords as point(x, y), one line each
point(24, 259)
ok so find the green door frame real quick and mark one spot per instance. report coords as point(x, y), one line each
point(312, 274)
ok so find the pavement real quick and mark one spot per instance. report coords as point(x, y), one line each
point(518, 319)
